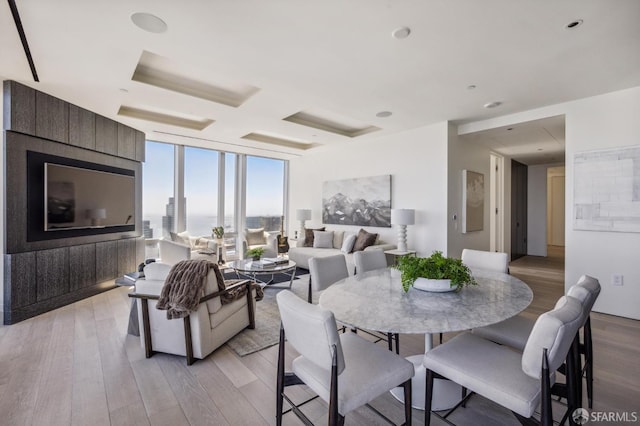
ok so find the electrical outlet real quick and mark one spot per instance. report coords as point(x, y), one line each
point(617, 279)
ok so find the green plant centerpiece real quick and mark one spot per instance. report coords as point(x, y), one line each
point(255, 253)
point(218, 231)
point(436, 267)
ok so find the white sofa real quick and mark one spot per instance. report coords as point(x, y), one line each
point(172, 252)
point(301, 255)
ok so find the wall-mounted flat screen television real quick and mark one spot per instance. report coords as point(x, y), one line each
point(68, 197)
point(76, 197)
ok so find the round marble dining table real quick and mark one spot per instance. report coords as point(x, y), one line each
point(375, 301)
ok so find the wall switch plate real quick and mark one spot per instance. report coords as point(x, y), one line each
point(617, 279)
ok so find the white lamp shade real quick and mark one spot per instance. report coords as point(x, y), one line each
point(403, 216)
point(303, 214)
point(97, 213)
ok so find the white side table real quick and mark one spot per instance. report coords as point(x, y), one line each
point(399, 253)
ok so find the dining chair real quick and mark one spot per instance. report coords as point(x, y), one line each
point(519, 382)
point(515, 331)
point(345, 370)
point(487, 260)
point(368, 261)
point(324, 271)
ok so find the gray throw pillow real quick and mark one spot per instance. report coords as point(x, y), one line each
point(323, 239)
point(364, 240)
point(308, 236)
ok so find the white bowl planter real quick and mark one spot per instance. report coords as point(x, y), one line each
point(437, 286)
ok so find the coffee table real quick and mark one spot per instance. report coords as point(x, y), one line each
point(249, 269)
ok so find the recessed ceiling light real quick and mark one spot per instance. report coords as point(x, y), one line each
point(539, 149)
point(492, 104)
point(509, 128)
point(149, 22)
point(400, 33)
point(573, 24)
point(383, 114)
point(123, 90)
point(471, 87)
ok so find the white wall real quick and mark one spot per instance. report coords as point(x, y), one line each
point(474, 157)
point(605, 121)
point(417, 163)
point(537, 210)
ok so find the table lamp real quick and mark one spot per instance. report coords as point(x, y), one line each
point(302, 215)
point(96, 216)
point(402, 218)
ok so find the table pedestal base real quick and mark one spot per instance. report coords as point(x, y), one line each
point(446, 394)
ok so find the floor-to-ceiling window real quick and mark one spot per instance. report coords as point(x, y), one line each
point(215, 189)
point(265, 193)
point(158, 205)
point(201, 190)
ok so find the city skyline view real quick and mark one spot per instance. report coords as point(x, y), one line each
point(265, 188)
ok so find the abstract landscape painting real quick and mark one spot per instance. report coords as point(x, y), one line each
point(360, 201)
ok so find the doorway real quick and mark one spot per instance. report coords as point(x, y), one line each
point(519, 193)
point(555, 206)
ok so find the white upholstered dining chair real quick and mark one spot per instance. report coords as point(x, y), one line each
point(515, 331)
point(369, 260)
point(344, 370)
point(324, 271)
point(487, 260)
point(519, 382)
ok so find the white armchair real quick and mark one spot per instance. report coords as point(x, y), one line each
point(198, 334)
point(254, 238)
point(172, 252)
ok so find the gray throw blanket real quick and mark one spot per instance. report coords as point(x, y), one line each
point(184, 287)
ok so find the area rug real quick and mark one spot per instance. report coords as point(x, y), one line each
point(267, 331)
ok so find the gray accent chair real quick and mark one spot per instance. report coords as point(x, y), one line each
point(519, 382)
point(515, 331)
point(331, 364)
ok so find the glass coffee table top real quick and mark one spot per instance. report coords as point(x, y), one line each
point(251, 269)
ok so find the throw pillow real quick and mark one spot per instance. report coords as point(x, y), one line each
point(323, 239)
point(185, 238)
point(178, 239)
point(308, 236)
point(364, 240)
point(255, 237)
point(348, 242)
point(338, 237)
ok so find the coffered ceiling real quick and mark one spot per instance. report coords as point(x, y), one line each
point(281, 78)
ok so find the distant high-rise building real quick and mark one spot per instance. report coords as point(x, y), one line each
point(147, 230)
point(168, 221)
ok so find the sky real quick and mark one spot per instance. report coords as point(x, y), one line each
point(265, 178)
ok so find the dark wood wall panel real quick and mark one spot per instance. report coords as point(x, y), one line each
point(106, 135)
point(82, 127)
point(19, 108)
point(126, 142)
point(140, 146)
point(52, 271)
point(41, 275)
point(106, 261)
point(21, 270)
point(82, 266)
point(52, 118)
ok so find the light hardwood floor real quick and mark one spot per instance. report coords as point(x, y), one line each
point(76, 365)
